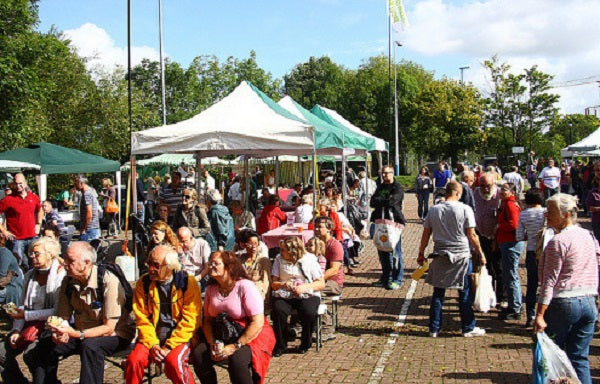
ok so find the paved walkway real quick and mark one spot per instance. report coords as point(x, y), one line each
point(375, 344)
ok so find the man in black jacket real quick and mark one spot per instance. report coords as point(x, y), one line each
point(387, 202)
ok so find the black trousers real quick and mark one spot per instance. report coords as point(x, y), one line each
point(44, 366)
point(239, 365)
point(9, 366)
point(307, 314)
point(494, 265)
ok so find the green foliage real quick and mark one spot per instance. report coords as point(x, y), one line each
point(573, 127)
point(518, 109)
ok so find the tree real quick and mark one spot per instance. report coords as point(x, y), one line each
point(518, 108)
point(573, 127)
point(447, 120)
point(318, 81)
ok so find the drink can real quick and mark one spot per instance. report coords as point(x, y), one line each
point(219, 345)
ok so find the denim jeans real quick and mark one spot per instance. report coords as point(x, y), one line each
point(511, 251)
point(465, 302)
point(571, 325)
point(423, 200)
point(532, 283)
point(90, 234)
point(20, 248)
point(392, 264)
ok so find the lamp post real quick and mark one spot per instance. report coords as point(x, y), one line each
point(462, 70)
point(396, 131)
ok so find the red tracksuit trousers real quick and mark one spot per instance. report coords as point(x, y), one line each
point(176, 365)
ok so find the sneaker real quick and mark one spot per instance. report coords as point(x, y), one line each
point(433, 334)
point(328, 336)
point(378, 284)
point(529, 322)
point(393, 286)
point(475, 332)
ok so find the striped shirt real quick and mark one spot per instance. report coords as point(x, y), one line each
point(60, 224)
point(569, 267)
point(530, 223)
point(171, 197)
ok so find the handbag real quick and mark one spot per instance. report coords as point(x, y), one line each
point(30, 333)
point(111, 206)
point(386, 233)
point(226, 329)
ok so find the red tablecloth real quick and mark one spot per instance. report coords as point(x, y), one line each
point(274, 236)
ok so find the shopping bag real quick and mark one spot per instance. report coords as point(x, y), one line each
point(386, 234)
point(551, 364)
point(111, 206)
point(485, 297)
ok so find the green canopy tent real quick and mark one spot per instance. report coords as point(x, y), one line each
point(54, 159)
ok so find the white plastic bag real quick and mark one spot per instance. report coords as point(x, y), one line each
point(386, 234)
point(485, 297)
point(555, 366)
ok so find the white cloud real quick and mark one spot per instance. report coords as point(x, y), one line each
point(561, 37)
point(96, 45)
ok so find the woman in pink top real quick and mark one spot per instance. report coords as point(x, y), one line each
point(230, 291)
point(566, 308)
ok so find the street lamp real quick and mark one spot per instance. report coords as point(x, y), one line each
point(462, 70)
point(397, 152)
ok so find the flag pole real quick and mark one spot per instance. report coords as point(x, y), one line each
point(162, 64)
point(390, 67)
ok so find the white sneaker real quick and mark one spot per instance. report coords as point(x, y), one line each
point(433, 334)
point(475, 332)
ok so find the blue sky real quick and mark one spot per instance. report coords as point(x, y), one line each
point(443, 34)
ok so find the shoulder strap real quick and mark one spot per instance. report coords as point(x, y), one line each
point(146, 281)
point(100, 283)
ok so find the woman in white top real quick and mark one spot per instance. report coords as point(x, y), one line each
point(304, 213)
point(40, 300)
point(296, 280)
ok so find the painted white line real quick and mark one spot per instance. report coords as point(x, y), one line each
point(377, 373)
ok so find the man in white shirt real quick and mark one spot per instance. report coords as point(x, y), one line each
point(550, 177)
point(210, 181)
point(196, 252)
point(364, 182)
point(515, 178)
point(235, 191)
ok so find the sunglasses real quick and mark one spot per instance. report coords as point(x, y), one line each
point(186, 197)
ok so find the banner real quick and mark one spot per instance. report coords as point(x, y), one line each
point(397, 18)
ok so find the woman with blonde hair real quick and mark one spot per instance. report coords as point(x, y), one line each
point(109, 193)
point(297, 279)
point(40, 300)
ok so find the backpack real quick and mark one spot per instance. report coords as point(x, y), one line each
point(118, 272)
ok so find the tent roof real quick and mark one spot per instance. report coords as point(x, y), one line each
point(175, 159)
point(54, 159)
point(334, 118)
point(347, 138)
point(16, 166)
point(244, 122)
point(589, 143)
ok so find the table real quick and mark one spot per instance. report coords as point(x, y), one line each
point(274, 236)
point(69, 217)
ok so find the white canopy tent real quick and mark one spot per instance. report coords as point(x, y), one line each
point(244, 122)
point(588, 146)
point(17, 166)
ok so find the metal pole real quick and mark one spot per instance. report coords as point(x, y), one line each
point(162, 65)
point(132, 157)
point(397, 151)
point(390, 75)
point(247, 182)
point(344, 180)
point(277, 175)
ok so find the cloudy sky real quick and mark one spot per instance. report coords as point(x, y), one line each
point(561, 37)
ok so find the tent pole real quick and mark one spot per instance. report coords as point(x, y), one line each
point(368, 178)
point(277, 175)
point(42, 183)
point(315, 178)
point(300, 176)
point(247, 182)
point(197, 170)
point(118, 182)
point(344, 180)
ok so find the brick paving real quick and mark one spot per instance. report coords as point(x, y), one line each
point(372, 348)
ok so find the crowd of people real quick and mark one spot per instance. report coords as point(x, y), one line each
point(482, 220)
point(211, 290)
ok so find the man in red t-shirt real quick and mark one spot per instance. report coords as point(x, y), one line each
point(334, 273)
point(24, 217)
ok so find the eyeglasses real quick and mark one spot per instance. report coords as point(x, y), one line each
point(186, 197)
point(36, 254)
point(386, 173)
point(155, 265)
point(485, 185)
point(214, 263)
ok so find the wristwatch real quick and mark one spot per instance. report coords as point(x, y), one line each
point(81, 335)
point(238, 345)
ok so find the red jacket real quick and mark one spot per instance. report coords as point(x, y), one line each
point(508, 220)
point(270, 218)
